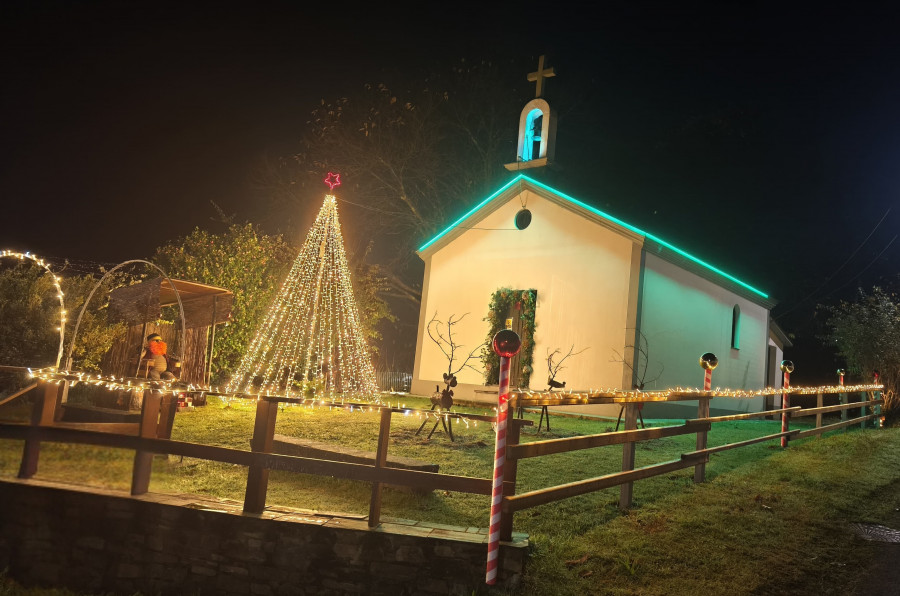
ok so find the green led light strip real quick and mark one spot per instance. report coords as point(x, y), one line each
point(596, 212)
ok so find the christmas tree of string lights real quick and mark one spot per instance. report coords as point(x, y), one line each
point(312, 341)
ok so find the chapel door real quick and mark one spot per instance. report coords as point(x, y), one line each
point(514, 322)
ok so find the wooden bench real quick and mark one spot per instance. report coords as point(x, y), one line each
point(299, 447)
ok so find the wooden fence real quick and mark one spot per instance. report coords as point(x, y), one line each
point(148, 437)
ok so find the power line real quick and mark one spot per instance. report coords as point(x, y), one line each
point(872, 262)
point(839, 269)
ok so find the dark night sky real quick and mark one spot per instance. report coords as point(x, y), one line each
point(762, 140)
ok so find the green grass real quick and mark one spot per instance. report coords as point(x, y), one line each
point(767, 521)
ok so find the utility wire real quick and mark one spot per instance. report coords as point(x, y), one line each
point(863, 270)
point(838, 270)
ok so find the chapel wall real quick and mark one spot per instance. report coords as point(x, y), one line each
point(581, 270)
point(684, 315)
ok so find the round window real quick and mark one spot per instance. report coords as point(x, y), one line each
point(523, 219)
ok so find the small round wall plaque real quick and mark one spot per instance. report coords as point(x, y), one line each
point(523, 219)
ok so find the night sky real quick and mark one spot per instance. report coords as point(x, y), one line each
point(763, 141)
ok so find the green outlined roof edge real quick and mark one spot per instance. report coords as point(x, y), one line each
point(656, 239)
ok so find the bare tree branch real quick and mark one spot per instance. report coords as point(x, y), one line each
point(553, 368)
point(448, 344)
point(642, 356)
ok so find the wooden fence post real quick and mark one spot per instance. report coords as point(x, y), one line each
point(820, 402)
point(263, 436)
point(509, 476)
point(384, 435)
point(143, 460)
point(167, 408)
point(843, 398)
point(702, 412)
point(43, 413)
point(626, 490)
point(862, 409)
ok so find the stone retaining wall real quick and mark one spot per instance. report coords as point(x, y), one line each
point(101, 541)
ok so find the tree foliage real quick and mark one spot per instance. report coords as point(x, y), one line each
point(242, 260)
point(866, 332)
point(30, 315)
point(412, 158)
point(502, 303)
point(252, 265)
point(369, 286)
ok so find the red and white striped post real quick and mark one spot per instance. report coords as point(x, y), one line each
point(506, 344)
point(787, 367)
point(708, 362)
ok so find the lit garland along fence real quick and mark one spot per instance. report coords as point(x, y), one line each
point(149, 437)
point(631, 400)
point(158, 406)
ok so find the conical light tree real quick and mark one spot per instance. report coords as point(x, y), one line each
point(312, 341)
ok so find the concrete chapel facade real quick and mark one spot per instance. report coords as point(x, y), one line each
point(641, 309)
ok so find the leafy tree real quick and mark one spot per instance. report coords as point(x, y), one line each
point(95, 334)
point(248, 263)
point(369, 285)
point(29, 317)
point(412, 156)
point(866, 332)
point(252, 265)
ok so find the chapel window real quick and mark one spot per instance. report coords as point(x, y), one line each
point(531, 148)
point(736, 327)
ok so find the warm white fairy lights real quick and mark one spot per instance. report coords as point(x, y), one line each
point(112, 383)
point(541, 398)
point(312, 342)
point(59, 293)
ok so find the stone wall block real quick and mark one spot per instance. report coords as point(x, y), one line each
point(261, 589)
point(103, 541)
point(203, 570)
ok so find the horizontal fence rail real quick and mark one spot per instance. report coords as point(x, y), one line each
point(149, 437)
point(574, 489)
point(549, 447)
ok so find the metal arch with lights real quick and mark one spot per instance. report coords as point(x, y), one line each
point(522, 178)
point(333, 179)
point(59, 293)
point(106, 275)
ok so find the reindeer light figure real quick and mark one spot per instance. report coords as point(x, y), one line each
point(443, 398)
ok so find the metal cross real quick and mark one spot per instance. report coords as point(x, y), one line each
point(539, 76)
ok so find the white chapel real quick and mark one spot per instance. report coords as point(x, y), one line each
point(631, 308)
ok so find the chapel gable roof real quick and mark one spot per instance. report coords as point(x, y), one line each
point(652, 244)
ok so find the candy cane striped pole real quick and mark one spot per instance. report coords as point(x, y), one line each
point(506, 344)
point(787, 367)
point(497, 490)
point(708, 362)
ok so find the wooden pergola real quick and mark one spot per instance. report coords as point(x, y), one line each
point(140, 307)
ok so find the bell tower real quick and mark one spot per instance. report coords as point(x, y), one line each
point(537, 126)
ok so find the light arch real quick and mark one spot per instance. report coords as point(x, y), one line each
point(59, 293)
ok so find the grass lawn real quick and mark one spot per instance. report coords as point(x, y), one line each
point(767, 521)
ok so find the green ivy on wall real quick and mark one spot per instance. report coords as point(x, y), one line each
point(502, 302)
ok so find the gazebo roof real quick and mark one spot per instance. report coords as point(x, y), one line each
point(204, 305)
